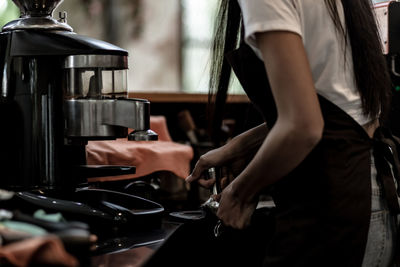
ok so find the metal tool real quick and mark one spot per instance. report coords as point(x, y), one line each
point(211, 204)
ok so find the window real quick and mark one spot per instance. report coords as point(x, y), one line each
point(8, 12)
point(164, 55)
point(197, 29)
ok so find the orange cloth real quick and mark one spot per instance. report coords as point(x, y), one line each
point(130, 258)
point(147, 156)
point(159, 125)
point(46, 250)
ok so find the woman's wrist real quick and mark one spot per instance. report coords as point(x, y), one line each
point(242, 191)
point(227, 151)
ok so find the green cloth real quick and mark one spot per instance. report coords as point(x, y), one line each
point(24, 227)
point(52, 217)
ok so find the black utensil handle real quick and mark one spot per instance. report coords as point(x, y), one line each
point(89, 171)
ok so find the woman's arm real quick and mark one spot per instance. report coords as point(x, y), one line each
point(236, 149)
point(296, 132)
point(248, 140)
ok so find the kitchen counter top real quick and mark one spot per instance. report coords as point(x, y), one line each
point(131, 249)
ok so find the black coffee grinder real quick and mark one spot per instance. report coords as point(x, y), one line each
point(59, 90)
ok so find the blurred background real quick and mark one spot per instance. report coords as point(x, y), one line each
point(168, 41)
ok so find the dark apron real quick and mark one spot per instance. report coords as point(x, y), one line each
point(323, 206)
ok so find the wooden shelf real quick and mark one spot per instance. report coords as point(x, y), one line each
point(183, 97)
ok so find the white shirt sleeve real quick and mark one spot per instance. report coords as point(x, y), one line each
point(269, 15)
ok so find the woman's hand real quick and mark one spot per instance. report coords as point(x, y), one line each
point(233, 156)
point(231, 166)
point(213, 158)
point(234, 212)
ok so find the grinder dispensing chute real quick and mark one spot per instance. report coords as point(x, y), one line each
point(58, 91)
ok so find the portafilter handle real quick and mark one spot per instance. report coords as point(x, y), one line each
point(37, 8)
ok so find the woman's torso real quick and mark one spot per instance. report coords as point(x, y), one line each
point(323, 206)
point(329, 57)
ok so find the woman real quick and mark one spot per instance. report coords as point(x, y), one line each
point(326, 94)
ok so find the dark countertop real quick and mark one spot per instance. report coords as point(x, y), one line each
point(131, 249)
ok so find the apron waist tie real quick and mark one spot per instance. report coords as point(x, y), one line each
point(388, 166)
point(385, 148)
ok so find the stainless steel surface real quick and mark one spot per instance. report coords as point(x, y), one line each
point(211, 204)
point(147, 135)
point(4, 81)
point(211, 173)
point(96, 61)
point(37, 7)
point(98, 118)
point(37, 14)
point(37, 23)
point(129, 112)
point(218, 228)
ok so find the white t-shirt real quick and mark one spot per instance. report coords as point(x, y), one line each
point(333, 74)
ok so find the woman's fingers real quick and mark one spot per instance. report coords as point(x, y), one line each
point(206, 183)
point(216, 197)
point(198, 170)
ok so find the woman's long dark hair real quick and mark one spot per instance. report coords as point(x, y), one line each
point(370, 67)
point(226, 38)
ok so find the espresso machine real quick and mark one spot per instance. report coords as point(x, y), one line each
point(58, 91)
